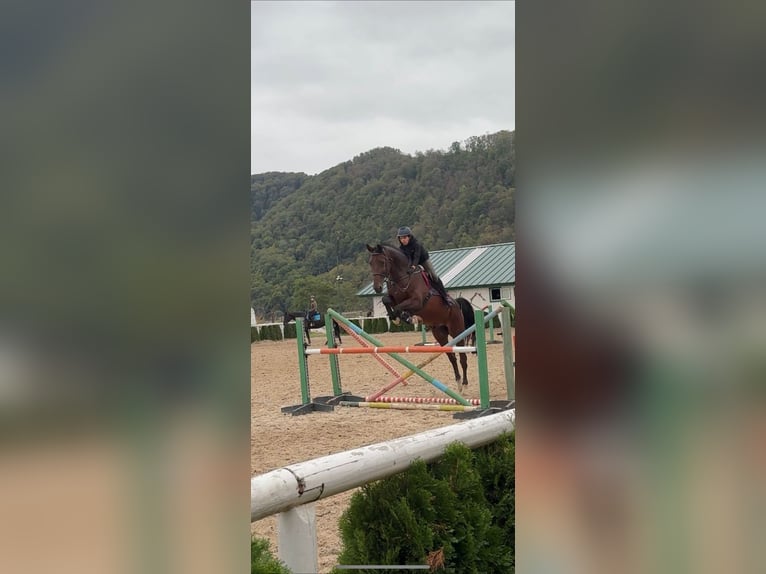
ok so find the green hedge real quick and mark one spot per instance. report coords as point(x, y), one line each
point(290, 331)
point(458, 512)
point(254, 334)
point(376, 325)
point(262, 561)
point(402, 327)
point(496, 319)
point(270, 333)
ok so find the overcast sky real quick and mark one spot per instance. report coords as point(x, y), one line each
point(331, 80)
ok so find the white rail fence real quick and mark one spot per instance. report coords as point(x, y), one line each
point(291, 491)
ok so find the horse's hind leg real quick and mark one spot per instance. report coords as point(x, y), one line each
point(454, 331)
point(453, 360)
point(336, 330)
point(441, 335)
point(464, 365)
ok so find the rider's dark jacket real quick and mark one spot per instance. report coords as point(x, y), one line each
point(416, 253)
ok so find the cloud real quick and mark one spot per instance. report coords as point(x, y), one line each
point(333, 79)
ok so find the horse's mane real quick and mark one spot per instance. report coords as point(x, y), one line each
point(394, 252)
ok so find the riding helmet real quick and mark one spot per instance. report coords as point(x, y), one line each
point(404, 231)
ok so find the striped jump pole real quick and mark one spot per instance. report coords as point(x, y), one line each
point(408, 406)
point(438, 384)
point(454, 341)
point(435, 400)
point(388, 350)
point(364, 343)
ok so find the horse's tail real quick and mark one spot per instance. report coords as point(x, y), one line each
point(467, 309)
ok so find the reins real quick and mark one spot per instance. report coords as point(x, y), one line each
point(388, 275)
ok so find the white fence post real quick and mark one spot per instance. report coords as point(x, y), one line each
point(297, 539)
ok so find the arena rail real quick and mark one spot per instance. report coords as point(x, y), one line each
point(291, 491)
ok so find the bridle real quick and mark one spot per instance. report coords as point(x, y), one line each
point(388, 276)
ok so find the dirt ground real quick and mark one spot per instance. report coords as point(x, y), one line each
point(280, 439)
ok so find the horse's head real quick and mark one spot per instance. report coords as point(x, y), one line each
point(379, 265)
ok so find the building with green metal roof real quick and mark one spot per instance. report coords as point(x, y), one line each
point(484, 275)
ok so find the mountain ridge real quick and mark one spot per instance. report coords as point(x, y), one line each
point(308, 230)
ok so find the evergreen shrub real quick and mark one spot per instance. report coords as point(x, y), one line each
point(262, 561)
point(455, 514)
point(254, 334)
point(376, 325)
point(290, 331)
point(402, 327)
point(271, 333)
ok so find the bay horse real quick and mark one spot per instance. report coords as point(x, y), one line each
point(409, 293)
point(308, 325)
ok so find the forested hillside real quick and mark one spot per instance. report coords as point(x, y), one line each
point(307, 231)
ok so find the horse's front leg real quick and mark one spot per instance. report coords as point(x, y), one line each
point(393, 314)
point(407, 308)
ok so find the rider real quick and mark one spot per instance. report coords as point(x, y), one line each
point(418, 255)
point(313, 310)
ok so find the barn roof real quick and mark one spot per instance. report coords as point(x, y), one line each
point(465, 267)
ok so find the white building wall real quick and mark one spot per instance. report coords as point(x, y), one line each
point(480, 298)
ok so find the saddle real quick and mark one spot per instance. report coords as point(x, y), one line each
point(424, 275)
point(433, 290)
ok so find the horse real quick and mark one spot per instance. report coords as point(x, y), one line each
point(308, 325)
point(409, 293)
